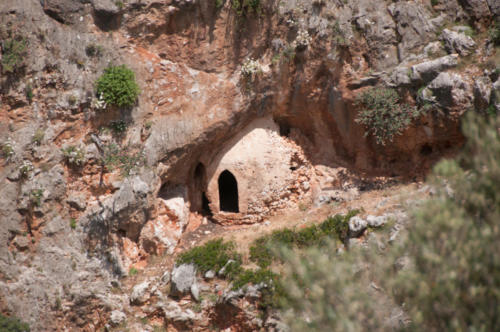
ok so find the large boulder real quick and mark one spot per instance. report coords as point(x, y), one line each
point(457, 42)
point(449, 91)
point(428, 70)
point(62, 10)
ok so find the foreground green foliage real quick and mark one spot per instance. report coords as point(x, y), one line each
point(451, 281)
point(337, 227)
point(456, 281)
point(13, 52)
point(383, 114)
point(243, 7)
point(117, 86)
point(12, 324)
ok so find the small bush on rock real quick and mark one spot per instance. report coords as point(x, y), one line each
point(117, 86)
point(383, 114)
point(74, 155)
point(13, 52)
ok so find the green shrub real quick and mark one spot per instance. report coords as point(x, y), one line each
point(133, 271)
point(261, 251)
point(38, 136)
point(28, 90)
point(36, 197)
point(118, 126)
point(72, 223)
point(243, 7)
point(117, 86)
point(94, 50)
point(13, 52)
point(383, 115)
point(219, 4)
point(12, 324)
point(212, 256)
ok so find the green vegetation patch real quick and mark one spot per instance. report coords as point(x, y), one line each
point(117, 86)
point(12, 324)
point(337, 227)
point(13, 52)
point(383, 114)
point(213, 255)
point(121, 157)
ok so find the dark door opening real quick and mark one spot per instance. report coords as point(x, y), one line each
point(205, 208)
point(228, 192)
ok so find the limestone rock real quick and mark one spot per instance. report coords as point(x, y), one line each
point(456, 42)
point(450, 90)
point(106, 7)
point(495, 98)
point(477, 8)
point(195, 292)
point(117, 317)
point(428, 70)
point(210, 274)
point(183, 277)
point(173, 312)
point(482, 92)
point(413, 25)
point(140, 293)
point(376, 221)
point(356, 226)
point(165, 278)
point(61, 10)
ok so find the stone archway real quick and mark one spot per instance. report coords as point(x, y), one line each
point(228, 192)
point(198, 198)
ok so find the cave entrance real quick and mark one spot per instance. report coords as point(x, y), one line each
point(199, 200)
point(228, 192)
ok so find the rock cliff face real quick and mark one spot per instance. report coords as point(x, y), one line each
point(265, 91)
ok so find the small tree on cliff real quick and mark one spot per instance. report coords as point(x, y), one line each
point(383, 114)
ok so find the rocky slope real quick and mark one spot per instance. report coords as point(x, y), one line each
point(265, 89)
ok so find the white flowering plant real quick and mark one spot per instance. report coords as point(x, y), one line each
point(74, 156)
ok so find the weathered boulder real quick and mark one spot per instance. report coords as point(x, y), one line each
point(105, 7)
point(117, 317)
point(449, 90)
point(61, 10)
point(482, 92)
point(356, 226)
point(183, 278)
point(428, 70)
point(140, 293)
point(376, 221)
point(163, 232)
point(456, 42)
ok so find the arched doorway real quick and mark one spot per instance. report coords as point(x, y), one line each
point(228, 192)
point(199, 200)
